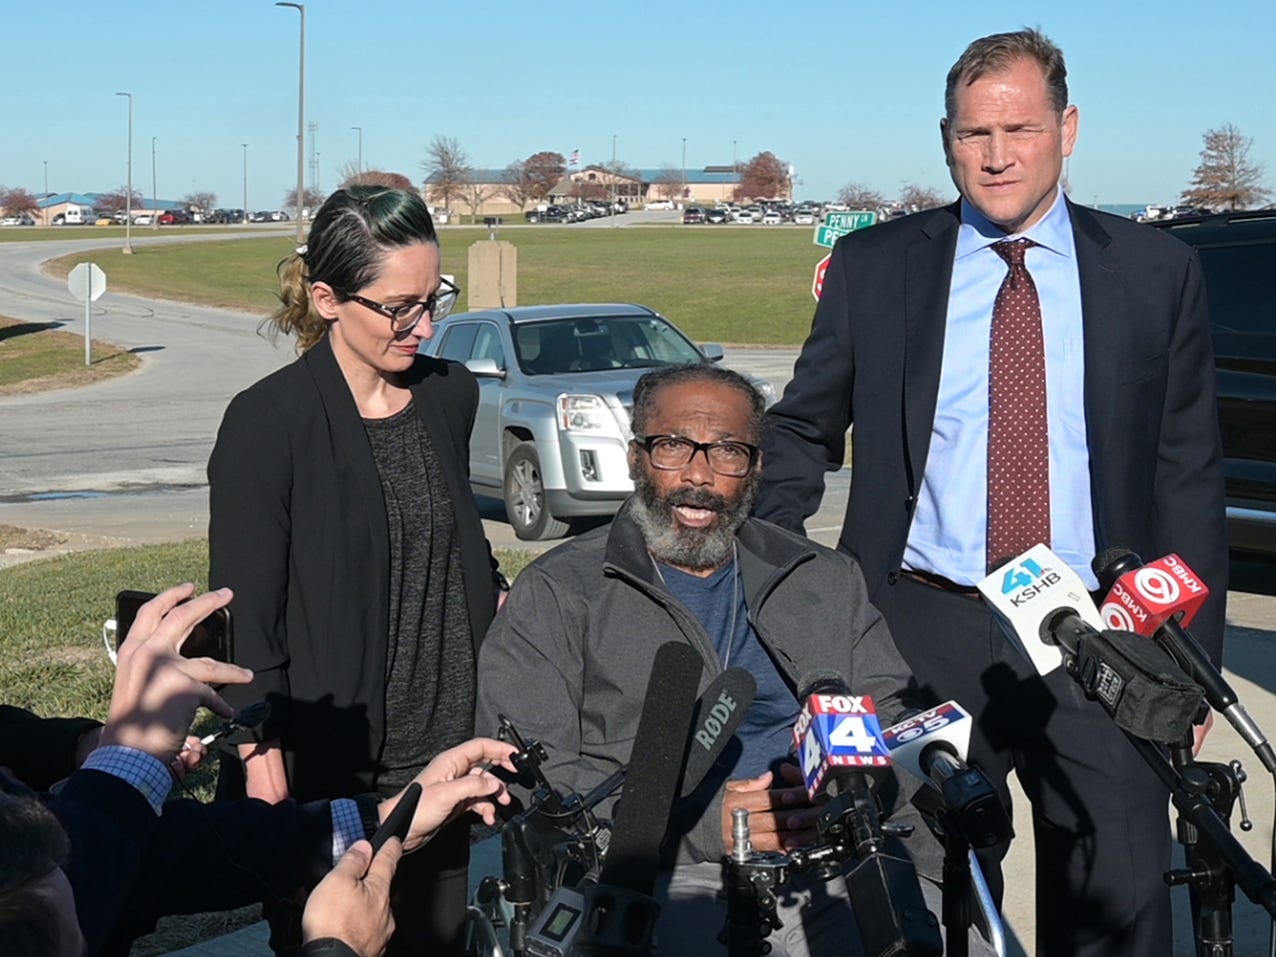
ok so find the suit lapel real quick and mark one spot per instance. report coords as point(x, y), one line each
point(1105, 317)
point(928, 270)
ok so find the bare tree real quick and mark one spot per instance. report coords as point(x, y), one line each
point(203, 201)
point(447, 170)
point(668, 182)
point(18, 202)
point(516, 184)
point(476, 193)
point(859, 196)
point(311, 199)
point(765, 176)
point(351, 175)
point(1226, 178)
point(117, 201)
point(915, 198)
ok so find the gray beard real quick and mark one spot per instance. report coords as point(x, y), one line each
point(697, 549)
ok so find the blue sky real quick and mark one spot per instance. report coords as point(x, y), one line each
point(843, 91)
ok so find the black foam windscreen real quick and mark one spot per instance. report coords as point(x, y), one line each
point(718, 714)
point(655, 765)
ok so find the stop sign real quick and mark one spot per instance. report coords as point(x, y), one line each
point(817, 287)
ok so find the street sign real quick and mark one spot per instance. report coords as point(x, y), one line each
point(837, 225)
point(86, 282)
point(817, 286)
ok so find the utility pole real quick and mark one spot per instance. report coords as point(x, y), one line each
point(359, 130)
point(128, 196)
point(301, 122)
point(245, 210)
point(154, 188)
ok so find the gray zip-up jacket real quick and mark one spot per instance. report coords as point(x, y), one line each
point(569, 656)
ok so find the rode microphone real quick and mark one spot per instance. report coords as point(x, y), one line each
point(718, 715)
point(1158, 600)
point(933, 746)
point(1022, 592)
point(836, 734)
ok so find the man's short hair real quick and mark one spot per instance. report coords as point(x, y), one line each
point(32, 846)
point(997, 53)
point(651, 384)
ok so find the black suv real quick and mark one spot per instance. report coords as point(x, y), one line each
point(1238, 254)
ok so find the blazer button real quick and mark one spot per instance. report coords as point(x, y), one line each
point(892, 578)
point(910, 502)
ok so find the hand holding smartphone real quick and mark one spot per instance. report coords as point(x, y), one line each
point(211, 638)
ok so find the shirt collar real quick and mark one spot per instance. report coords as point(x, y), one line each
point(1053, 231)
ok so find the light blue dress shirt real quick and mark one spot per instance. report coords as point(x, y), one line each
point(950, 524)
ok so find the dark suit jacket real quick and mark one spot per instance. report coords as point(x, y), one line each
point(298, 530)
point(873, 358)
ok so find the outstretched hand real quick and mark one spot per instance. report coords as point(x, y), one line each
point(352, 903)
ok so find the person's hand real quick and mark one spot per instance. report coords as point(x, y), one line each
point(157, 690)
point(352, 903)
point(192, 756)
point(780, 818)
point(454, 782)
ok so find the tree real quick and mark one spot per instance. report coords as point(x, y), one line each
point(18, 202)
point(447, 171)
point(915, 198)
point(117, 201)
point(374, 177)
point(669, 182)
point(859, 196)
point(544, 170)
point(1226, 177)
point(476, 193)
point(311, 199)
point(764, 177)
point(203, 201)
point(516, 184)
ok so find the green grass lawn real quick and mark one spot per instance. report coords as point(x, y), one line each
point(26, 234)
point(742, 285)
point(34, 355)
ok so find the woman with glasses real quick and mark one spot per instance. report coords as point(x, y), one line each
point(342, 518)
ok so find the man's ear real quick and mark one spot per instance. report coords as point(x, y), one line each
point(635, 465)
point(325, 299)
point(943, 139)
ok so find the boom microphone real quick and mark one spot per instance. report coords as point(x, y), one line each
point(836, 734)
point(1158, 600)
point(933, 746)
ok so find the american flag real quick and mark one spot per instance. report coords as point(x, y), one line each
point(575, 161)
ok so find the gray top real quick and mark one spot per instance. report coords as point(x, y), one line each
point(429, 686)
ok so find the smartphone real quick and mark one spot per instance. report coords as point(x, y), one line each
point(212, 638)
point(400, 819)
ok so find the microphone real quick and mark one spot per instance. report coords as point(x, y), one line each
point(933, 746)
point(837, 735)
point(718, 715)
point(1158, 601)
point(1145, 693)
point(1025, 590)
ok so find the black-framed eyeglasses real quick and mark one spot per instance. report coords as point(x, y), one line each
point(404, 317)
point(732, 459)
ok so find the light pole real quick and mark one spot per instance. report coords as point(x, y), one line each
point(46, 191)
point(613, 180)
point(245, 209)
point(359, 129)
point(684, 169)
point(154, 189)
point(128, 195)
point(301, 121)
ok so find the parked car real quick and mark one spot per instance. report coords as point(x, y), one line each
point(715, 216)
point(659, 204)
point(143, 219)
point(105, 219)
point(555, 392)
point(772, 218)
point(744, 216)
point(693, 214)
point(1238, 256)
point(804, 217)
point(17, 221)
point(174, 217)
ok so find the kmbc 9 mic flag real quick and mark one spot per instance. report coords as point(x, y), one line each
point(836, 733)
point(1023, 592)
point(1158, 600)
point(933, 746)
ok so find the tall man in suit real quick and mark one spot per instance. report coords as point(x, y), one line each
point(1018, 369)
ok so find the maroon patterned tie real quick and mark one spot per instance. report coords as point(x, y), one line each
point(1018, 440)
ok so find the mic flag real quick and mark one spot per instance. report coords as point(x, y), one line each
point(836, 730)
point(655, 764)
point(913, 741)
point(1024, 591)
point(1143, 599)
